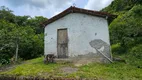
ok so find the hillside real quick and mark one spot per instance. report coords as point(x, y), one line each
point(126, 30)
point(126, 44)
point(67, 70)
point(121, 6)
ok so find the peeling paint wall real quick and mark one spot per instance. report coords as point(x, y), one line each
point(102, 46)
point(82, 31)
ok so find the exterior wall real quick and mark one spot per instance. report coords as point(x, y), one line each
point(82, 31)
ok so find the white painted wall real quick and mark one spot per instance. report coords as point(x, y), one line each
point(81, 28)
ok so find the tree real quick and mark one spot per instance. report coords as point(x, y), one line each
point(21, 36)
point(35, 23)
point(6, 14)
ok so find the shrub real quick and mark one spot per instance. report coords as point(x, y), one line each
point(118, 49)
point(136, 51)
point(134, 56)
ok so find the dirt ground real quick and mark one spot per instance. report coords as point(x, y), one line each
point(68, 70)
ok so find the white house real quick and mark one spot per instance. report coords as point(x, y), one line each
point(77, 32)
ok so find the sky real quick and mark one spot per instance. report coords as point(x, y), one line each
point(50, 8)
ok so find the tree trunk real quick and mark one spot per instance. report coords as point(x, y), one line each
point(16, 55)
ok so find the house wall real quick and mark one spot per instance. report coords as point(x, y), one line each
point(85, 33)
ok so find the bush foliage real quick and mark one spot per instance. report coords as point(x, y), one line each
point(126, 29)
point(23, 31)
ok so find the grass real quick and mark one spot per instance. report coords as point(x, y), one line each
point(113, 71)
point(32, 68)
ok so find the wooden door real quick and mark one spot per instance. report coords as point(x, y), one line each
point(62, 43)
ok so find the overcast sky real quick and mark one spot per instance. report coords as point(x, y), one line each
point(49, 8)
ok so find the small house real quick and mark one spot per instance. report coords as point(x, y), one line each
point(78, 32)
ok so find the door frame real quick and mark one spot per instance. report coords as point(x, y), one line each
point(58, 39)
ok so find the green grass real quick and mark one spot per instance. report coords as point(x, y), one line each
point(113, 71)
point(32, 68)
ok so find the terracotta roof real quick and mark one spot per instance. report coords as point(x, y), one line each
point(73, 9)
